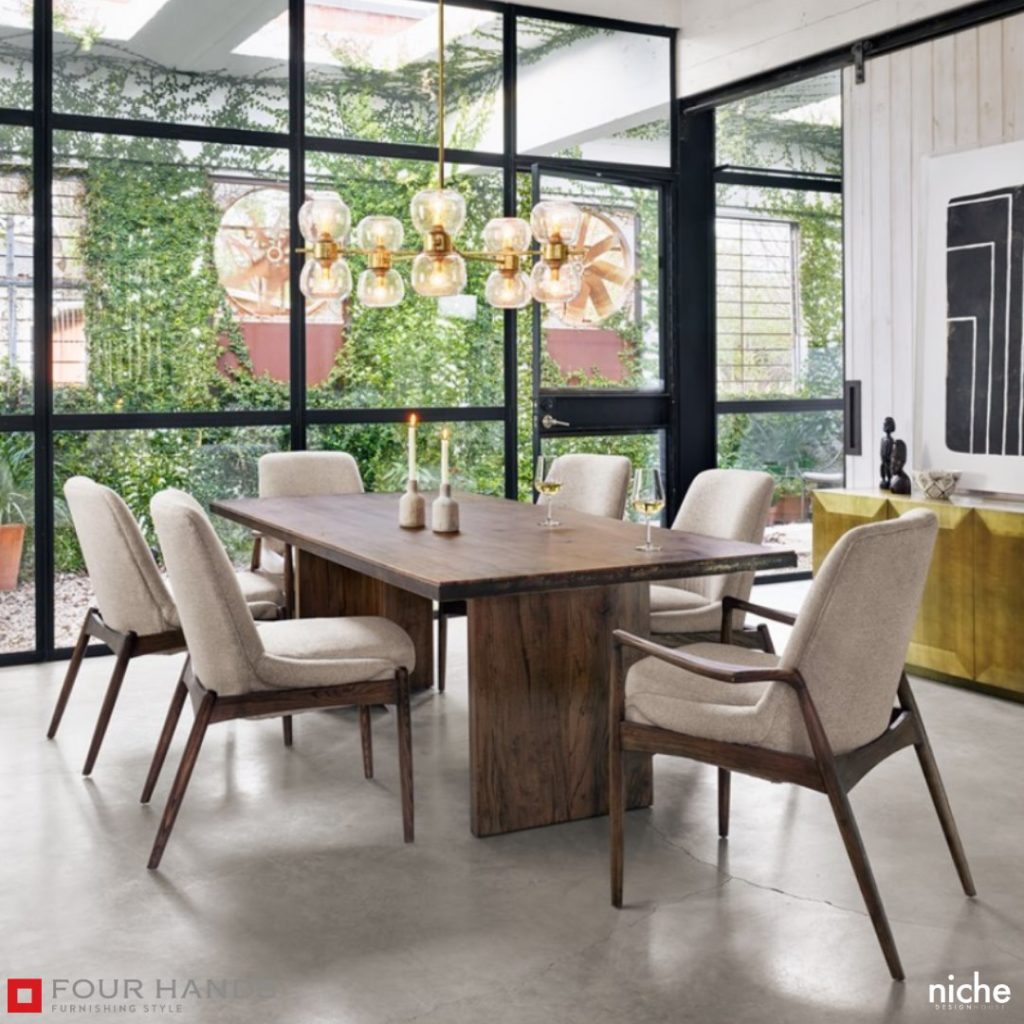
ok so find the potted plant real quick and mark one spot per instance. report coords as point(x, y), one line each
point(15, 510)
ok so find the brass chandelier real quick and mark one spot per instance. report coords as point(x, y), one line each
point(439, 267)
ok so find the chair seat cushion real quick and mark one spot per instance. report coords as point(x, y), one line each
point(326, 652)
point(261, 586)
point(672, 698)
point(674, 610)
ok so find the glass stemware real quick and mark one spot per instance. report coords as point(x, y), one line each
point(547, 488)
point(648, 499)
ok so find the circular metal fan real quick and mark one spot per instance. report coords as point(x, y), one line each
point(607, 271)
point(251, 252)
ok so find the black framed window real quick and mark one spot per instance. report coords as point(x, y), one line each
point(778, 252)
point(154, 158)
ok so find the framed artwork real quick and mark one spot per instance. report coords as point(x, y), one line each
point(969, 351)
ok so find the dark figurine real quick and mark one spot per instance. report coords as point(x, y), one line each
point(900, 482)
point(889, 425)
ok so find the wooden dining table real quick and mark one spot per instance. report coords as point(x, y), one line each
point(541, 604)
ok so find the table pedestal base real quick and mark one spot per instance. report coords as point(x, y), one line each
point(539, 670)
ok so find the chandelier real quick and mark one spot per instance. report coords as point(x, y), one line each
point(439, 268)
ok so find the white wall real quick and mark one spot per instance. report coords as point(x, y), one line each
point(725, 40)
point(956, 93)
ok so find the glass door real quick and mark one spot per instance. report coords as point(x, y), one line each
point(598, 363)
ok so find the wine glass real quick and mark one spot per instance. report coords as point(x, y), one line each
point(547, 488)
point(649, 499)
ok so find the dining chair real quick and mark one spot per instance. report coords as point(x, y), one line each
point(731, 504)
point(239, 668)
point(135, 613)
point(296, 475)
point(820, 715)
point(595, 484)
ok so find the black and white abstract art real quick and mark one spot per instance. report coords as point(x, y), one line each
point(970, 345)
point(985, 317)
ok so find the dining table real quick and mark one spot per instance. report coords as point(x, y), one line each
point(541, 603)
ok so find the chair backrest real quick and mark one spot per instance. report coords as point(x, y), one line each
point(130, 592)
point(298, 474)
point(851, 637)
point(596, 484)
point(731, 504)
point(222, 639)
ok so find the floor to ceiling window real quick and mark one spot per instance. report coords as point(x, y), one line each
point(154, 156)
point(779, 295)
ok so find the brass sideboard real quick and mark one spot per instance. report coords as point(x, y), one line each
point(971, 625)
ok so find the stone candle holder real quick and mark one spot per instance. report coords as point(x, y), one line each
point(444, 513)
point(412, 512)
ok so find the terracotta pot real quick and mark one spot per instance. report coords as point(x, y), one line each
point(12, 539)
point(786, 510)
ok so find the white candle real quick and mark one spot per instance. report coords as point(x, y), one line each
point(444, 456)
point(412, 447)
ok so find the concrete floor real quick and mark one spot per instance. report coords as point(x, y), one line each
point(287, 873)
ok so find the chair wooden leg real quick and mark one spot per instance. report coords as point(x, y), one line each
point(70, 676)
point(286, 725)
point(724, 789)
point(110, 699)
point(442, 647)
point(866, 880)
point(766, 638)
point(616, 779)
point(926, 759)
point(366, 736)
point(164, 743)
point(181, 780)
point(405, 753)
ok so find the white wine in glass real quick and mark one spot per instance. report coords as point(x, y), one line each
point(648, 499)
point(547, 487)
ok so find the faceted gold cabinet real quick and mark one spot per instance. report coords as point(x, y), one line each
point(970, 625)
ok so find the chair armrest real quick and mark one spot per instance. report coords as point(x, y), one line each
point(720, 670)
point(729, 603)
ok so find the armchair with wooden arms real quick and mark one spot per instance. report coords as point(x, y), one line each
point(821, 715)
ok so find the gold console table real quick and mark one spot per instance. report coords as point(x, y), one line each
point(971, 625)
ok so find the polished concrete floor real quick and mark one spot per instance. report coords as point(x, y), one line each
point(287, 876)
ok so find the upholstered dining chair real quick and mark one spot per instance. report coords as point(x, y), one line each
point(821, 715)
point(296, 475)
point(135, 612)
point(239, 668)
point(595, 484)
point(731, 504)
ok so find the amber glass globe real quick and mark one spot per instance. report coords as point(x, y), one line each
point(325, 214)
point(556, 220)
point(377, 232)
point(507, 291)
point(435, 277)
point(507, 234)
point(320, 282)
point(554, 286)
point(436, 207)
point(380, 288)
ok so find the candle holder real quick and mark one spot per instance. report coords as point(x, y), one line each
point(412, 508)
point(444, 513)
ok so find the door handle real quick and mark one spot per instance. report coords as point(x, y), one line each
point(548, 421)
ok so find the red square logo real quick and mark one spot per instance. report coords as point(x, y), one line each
point(24, 995)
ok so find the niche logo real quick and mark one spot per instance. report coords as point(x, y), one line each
point(24, 995)
point(966, 995)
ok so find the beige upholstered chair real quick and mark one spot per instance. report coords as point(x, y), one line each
point(243, 669)
point(295, 475)
point(595, 484)
point(136, 613)
point(731, 504)
point(821, 715)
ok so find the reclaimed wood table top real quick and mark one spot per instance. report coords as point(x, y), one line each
point(501, 549)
